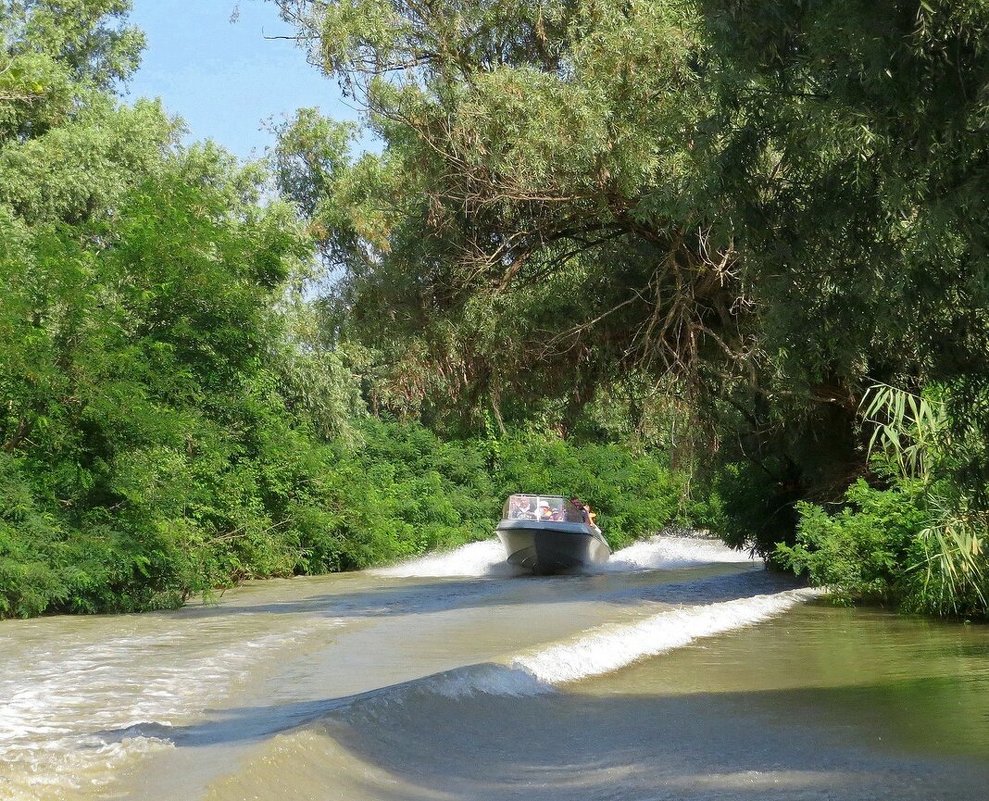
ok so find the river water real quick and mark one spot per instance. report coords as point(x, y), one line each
point(682, 671)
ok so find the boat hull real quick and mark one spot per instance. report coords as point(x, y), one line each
point(544, 547)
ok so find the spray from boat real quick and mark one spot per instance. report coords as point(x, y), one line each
point(487, 558)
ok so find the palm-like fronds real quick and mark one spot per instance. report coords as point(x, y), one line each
point(955, 546)
point(908, 427)
point(913, 431)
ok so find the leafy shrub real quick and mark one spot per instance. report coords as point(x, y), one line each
point(752, 508)
point(165, 432)
point(868, 550)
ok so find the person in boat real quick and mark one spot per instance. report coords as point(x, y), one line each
point(552, 512)
point(521, 509)
point(586, 515)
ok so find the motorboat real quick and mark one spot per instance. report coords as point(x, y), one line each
point(549, 534)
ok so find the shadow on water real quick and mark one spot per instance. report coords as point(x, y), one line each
point(703, 584)
point(237, 725)
point(886, 740)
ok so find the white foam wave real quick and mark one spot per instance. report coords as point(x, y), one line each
point(599, 651)
point(486, 558)
point(490, 679)
point(69, 705)
point(609, 648)
point(663, 551)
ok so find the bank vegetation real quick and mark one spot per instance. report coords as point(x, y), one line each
point(707, 262)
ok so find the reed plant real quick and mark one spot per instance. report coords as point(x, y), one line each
point(914, 434)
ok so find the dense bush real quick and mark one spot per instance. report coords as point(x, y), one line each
point(405, 491)
point(864, 551)
point(755, 510)
point(279, 502)
point(400, 492)
point(890, 546)
point(141, 427)
point(921, 543)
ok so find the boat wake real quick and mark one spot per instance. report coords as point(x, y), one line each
point(611, 648)
point(664, 551)
point(545, 670)
point(445, 652)
point(520, 727)
point(606, 649)
point(487, 558)
point(73, 715)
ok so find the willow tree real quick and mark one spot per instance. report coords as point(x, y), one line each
point(538, 224)
point(158, 425)
point(858, 136)
point(872, 121)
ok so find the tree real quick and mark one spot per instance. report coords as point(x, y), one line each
point(863, 126)
point(538, 225)
point(156, 433)
point(87, 39)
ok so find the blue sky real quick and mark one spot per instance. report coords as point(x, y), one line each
point(224, 78)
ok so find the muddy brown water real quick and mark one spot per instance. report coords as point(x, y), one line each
point(682, 671)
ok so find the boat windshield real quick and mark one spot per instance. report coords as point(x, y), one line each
point(541, 507)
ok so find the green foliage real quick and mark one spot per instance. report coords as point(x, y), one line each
point(516, 243)
point(405, 491)
point(177, 416)
point(848, 139)
point(757, 511)
point(677, 224)
point(147, 448)
point(921, 544)
point(908, 428)
point(771, 206)
point(634, 495)
point(919, 441)
point(87, 37)
point(956, 552)
point(144, 423)
point(865, 551)
point(27, 578)
point(83, 166)
point(895, 546)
